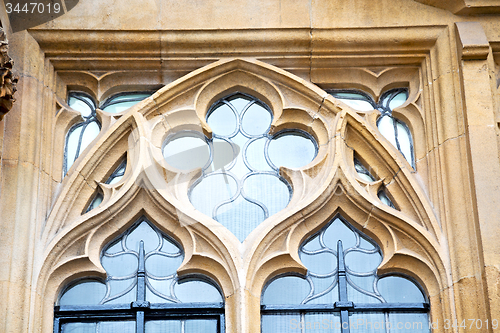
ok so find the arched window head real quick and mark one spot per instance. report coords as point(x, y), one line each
point(82, 134)
point(342, 289)
point(240, 185)
point(393, 129)
point(142, 291)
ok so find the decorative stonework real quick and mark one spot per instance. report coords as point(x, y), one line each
point(8, 80)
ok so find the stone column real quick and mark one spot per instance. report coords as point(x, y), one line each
point(474, 49)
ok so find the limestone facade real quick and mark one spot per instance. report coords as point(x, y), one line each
point(443, 234)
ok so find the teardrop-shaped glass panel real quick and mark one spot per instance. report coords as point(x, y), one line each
point(256, 120)
point(405, 141)
point(291, 150)
point(398, 100)
point(223, 120)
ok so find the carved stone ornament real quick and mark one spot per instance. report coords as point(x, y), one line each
point(8, 80)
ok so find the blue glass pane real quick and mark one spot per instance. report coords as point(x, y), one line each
point(78, 105)
point(72, 142)
point(398, 100)
point(145, 233)
point(240, 216)
point(256, 120)
point(397, 289)
point(187, 152)
point(84, 293)
point(163, 326)
point(123, 264)
point(197, 291)
point(286, 290)
point(116, 326)
point(161, 266)
point(409, 322)
point(368, 322)
point(200, 326)
point(255, 155)
point(269, 190)
point(79, 328)
point(89, 134)
point(291, 150)
point(322, 322)
point(282, 323)
point(223, 121)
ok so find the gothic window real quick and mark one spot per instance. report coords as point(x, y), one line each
point(141, 292)
point(240, 164)
point(342, 290)
point(393, 129)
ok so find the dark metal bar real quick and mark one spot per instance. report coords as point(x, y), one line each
point(343, 304)
point(364, 307)
point(141, 303)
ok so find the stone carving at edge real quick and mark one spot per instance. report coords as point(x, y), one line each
point(8, 80)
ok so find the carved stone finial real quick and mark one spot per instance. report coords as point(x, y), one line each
point(8, 80)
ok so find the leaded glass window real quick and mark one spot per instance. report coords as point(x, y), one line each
point(393, 129)
point(342, 290)
point(142, 292)
point(115, 177)
point(240, 185)
point(82, 134)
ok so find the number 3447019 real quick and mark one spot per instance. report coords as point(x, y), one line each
point(471, 324)
point(33, 8)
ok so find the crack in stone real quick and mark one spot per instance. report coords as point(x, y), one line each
point(439, 145)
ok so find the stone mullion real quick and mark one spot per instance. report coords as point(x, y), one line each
point(484, 168)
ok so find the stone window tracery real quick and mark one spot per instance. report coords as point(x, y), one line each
point(342, 290)
point(141, 292)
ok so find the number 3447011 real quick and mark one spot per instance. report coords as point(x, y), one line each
point(33, 8)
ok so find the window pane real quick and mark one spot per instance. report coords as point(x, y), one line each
point(386, 128)
point(291, 150)
point(116, 326)
point(398, 100)
point(256, 120)
point(78, 105)
point(197, 291)
point(223, 121)
point(79, 328)
point(269, 190)
point(405, 142)
point(187, 152)
point(96, 202)
point(282, 323)
point(163, 326)
point(286, 290)
point(368, 322)
point(89, 134)
point(72, 145)
point(396, 289)
point(123, 264)
point(84, 293)
point(358, 104)
point(201, 326)
point(409, 322)
point(322, 322)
